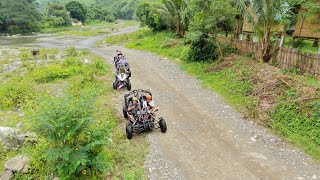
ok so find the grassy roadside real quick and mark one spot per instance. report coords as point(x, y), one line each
point(66, 98)
point(281, 100)
point(90, 29)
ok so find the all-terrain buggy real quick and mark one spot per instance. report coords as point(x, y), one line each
point(122, 80)
point(144, 120)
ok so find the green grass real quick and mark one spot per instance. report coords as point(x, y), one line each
point(29, 96)
point(163, 43)
point(297, 122)
point(90, 29)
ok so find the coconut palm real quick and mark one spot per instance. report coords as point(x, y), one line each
point(264, 15)
point(172, 11)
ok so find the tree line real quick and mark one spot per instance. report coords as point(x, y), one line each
point(32, 15)
point(200, 21)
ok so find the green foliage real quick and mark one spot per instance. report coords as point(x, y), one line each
point(79, 134)
point(19, 16)
point(208, 19)
point(299, 123)
point(149, 17)
point(166, 14)
point(72, 52)
point(110, 10)
point(101, 14)
point(77, 144)
point(164, 43)
point(57, 15)
point(15, 93)
point(53, 72)
point(202, 48)
point(77, 10)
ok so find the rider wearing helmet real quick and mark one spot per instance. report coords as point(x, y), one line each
point(134, 107)
point(150, 103)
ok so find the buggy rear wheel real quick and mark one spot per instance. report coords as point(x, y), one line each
point(129, 131)
point(163, 125)
point(125, 115)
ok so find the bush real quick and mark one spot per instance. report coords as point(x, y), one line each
point(76, 140)
point(202, 48)
point(72, 52)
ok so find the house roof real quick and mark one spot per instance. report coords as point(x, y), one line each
point(307, 27)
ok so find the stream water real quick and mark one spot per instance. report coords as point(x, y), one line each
point(59, 42)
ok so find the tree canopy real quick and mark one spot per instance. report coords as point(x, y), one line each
point(77, 10)
point(19, 13)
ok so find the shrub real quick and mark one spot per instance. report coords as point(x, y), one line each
point(72, 52)
point(202, 48)
point(76, 141)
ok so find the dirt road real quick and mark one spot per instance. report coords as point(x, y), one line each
point(206, 138)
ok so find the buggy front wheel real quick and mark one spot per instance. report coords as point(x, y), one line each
point(129, 131)
point(163, 125)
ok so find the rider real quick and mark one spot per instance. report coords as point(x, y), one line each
point(134, 107)
point(122, 61)
point(150, 103)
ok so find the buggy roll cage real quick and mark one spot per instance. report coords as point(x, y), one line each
point(137, 93)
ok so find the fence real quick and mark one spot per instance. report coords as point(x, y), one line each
point(285, 57)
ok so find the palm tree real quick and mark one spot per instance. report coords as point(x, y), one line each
point(172, 12)
point(264, 15)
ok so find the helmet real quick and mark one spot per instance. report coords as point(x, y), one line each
point(148, 97)
point(134, 99)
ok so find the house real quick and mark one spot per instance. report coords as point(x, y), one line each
point(307, 27)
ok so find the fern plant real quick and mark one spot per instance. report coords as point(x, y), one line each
point(77, 143)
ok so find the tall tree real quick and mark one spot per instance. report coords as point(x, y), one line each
point(264, 15)
point(77, 10)
point(172, 12)
point(208, 19)
point(57, 15)
point(22, 14)
point(149, 16)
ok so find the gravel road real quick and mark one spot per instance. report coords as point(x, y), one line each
point(206, 138)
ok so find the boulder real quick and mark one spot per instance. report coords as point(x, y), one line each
point(8, 136)
point(7, 175)
point(28, 137)
point(12, 140)
point(18, 164)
